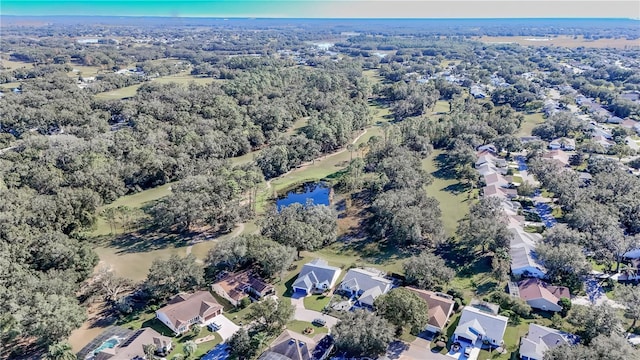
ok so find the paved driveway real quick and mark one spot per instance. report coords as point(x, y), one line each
point(310, 315)
point(227, 327)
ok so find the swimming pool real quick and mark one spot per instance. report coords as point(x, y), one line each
point(108, 344)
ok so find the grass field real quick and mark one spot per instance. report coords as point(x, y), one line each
point(564, 41)
point(10, 85)
point(121, 93)
point(442, 107)
point(454, 201)
point(316, 302)
point(299, 326)
point(11, 65)
point(530, 121)
point(130, 91)
point(137, 201)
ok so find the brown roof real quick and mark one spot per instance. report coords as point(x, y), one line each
point(234, 284)
point(184, 307)
point(533, 288)
point(439, 306)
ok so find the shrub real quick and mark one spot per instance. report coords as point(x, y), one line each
point(456, 293)
point(244, 302)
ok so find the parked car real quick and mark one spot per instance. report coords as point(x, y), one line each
point(213, 327)
point(319, 322)
point(467, 351)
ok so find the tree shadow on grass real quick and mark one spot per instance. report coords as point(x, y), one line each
point(147, 240)
point(457, 188)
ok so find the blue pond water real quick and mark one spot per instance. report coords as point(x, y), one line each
point(316, 192)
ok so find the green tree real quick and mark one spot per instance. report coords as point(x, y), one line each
point(565, 263)
point(594, 321)
point(149, 351)
point(629, 296)
point(271, 315)
point(60, 351)
point(403, 308)
point(362, 333)
point(190, 348)
point(241, 346)
point(168, 277)
point(427, 270)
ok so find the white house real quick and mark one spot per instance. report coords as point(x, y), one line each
point(316, 277)
point(477, 327)
point(365, 285)
point(524, 260)
point(539, 339)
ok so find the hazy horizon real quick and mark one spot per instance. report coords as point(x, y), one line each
point(331, 9)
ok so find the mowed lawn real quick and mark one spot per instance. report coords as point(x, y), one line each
point(454, 204)
point(530, 121)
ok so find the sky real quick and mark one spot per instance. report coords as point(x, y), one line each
point(330, 8)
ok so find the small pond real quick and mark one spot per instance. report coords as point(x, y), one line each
point(318, 192)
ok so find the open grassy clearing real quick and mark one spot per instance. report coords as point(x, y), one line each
point(11, 64)
point(530, 121)
point(10, 85)
point(453, 197)
point(441, 107)
point(561, 40)
point(122, 93)
point(135, 265)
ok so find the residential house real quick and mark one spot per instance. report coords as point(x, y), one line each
point(528, 139)
point(500, 192)
point(558, 156)
point(631, 96)
point(184, 310)
point(477, 92)
point(562, 144)
point(365, 285)
point(132, 347)
point(540, 295)
point(524, 261)
point(495, 179)
point(477, 326)
point(629, 124)
point(615, 120)
point(292, 346)
point(237, 286)
point(440, 308)
point(489, 168)
point(602, 140)
point(540, 339)
point(489, 147)
point(316, 277)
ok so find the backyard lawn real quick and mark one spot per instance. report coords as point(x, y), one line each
point(454, 200)
point(530, 121)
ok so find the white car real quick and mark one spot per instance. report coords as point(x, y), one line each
point(467, 350)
